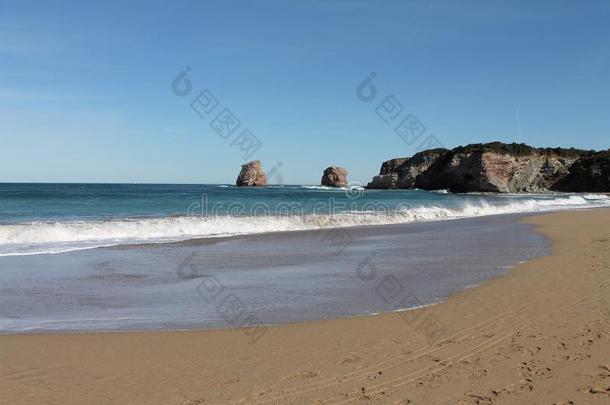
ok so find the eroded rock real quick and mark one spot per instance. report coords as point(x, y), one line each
point(334, 177)
point(251, 175)
point(498, 167)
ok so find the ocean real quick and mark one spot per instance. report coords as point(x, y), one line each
point(92, 257)
point(56, 218)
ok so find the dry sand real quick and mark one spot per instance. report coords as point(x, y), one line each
point(539, 335)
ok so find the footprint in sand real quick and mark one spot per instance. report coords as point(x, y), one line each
point(223, 383)
point(603, 389)
point(578, 356)
point(348, 360)
point(196, 402)
point(304, 375)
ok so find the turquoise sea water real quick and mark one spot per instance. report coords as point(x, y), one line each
point(131, 257)
point(53, 218)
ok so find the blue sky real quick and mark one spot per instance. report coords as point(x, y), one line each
point(86, 89)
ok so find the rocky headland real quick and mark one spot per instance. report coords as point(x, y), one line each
point(588, 174)
point(498, 167)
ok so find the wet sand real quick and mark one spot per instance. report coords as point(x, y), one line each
point(274, 278)
point(539, 334)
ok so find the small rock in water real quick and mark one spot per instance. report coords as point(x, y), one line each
point(334, 177)
point(251, 175)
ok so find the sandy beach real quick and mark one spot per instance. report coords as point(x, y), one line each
point(540, 334)
point(304, 203)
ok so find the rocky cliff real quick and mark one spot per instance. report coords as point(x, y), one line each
point(251, 175)
point(334, 177)
point(495, 167)
point(402, 172)
point(588, 174)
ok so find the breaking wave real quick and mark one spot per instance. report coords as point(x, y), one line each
point(63, 236)
point(327, 188)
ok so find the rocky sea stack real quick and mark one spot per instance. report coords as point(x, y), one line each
point(334, 177)
point(251, 175)
point(498, 167)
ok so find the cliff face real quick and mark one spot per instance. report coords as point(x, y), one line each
point(402, 172)
point(384, 182)
point(392, 166)
point(491, 167)
point(588, 174)
point(418, 164)
point(499, 168)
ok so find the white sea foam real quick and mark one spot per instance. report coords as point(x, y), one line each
point(56, 237)
point(327, 188)
point(323, 188)
point(595, 197)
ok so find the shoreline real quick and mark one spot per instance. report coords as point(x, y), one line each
point(536, 334)
point(63, 235)
point(282, 278)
